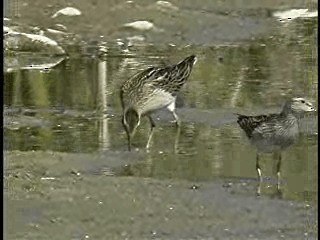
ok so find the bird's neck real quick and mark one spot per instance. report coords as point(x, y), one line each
point(290, 117)
point(286, 111)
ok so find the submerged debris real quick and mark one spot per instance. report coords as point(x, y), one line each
point(135, 40)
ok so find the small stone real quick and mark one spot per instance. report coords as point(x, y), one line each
point(194, 187)
point(140, 25)
point(227, 185)
point(75, 172)
point(68, 11)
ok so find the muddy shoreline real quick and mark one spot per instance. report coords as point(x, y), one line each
point(49, 196)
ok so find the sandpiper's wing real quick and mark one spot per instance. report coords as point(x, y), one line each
point(156, 81)
point(132, 88)
point(261, 124)
point(138, 80)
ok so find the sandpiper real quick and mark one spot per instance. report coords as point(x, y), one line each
point(274, 132)
point(150, 90)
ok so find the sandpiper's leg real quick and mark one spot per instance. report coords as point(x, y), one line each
point(278, 172)
point(129, 143)
point(152, 125)
point(171, 108)
point(176, 141)
point(259, 175)
point(178, 122)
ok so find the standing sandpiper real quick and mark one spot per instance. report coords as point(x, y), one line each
point(274, 132)
point(150, 90)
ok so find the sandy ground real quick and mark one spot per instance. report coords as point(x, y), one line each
point(87, 196)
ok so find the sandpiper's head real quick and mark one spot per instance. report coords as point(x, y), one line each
point(130, 121)
point(298, 106)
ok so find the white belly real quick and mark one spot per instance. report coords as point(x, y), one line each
point(157, 100)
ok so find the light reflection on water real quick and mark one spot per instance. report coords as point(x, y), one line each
point(76, 108)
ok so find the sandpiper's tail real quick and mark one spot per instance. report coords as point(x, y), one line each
point(246, 123)
point(249, 123)
point(191, 60)
point(173, 77)
point(181, 71)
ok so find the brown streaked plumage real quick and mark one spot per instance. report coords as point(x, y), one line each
point(274, 132)
point(150, 90)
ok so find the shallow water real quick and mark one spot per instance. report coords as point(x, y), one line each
point(75, 107)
